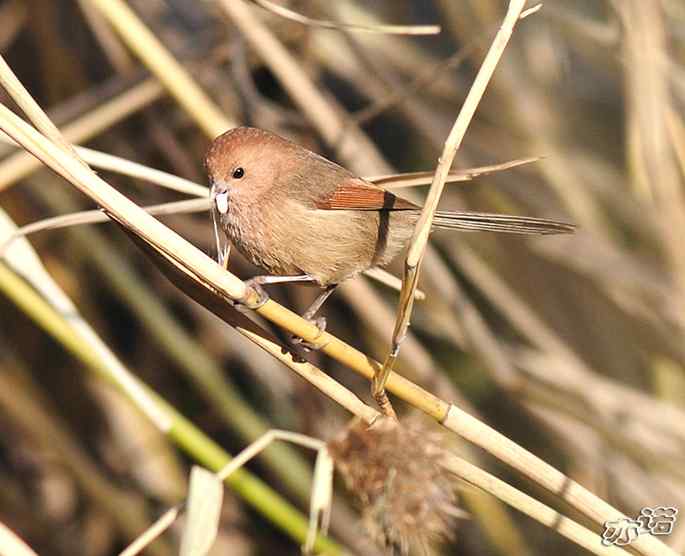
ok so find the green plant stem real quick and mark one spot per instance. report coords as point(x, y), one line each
point(182, 432)
point(290, 468)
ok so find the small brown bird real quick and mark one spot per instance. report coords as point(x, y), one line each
point(303, 218)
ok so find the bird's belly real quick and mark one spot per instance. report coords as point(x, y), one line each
point(248, 233)
point(329, 246)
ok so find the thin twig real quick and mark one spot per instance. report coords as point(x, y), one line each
point(384, 277)
point(19, 165)
point(413, 179)
point(97, 216)
point(106, 161)
point(419, 240)
point(336, 25)
point(165, 521)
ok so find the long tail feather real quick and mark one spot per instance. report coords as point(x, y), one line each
point(503, 223)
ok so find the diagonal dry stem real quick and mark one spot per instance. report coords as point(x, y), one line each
point(282, 11)
point(20, 164)
point(566, 527)
point(29, 106)
point(106, 161)
point(97, 216)
point(413, 179)
point(165, 67)
point(419, 240)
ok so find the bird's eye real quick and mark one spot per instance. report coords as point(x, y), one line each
point(238, 173)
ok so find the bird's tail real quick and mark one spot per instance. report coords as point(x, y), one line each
point(503, 223)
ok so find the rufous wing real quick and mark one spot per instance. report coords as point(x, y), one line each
point(357, 194)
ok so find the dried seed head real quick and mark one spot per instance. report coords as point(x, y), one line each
point(407, 498)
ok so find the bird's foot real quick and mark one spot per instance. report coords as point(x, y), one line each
point(255, 285)
point(320, 323)
point(299, 347)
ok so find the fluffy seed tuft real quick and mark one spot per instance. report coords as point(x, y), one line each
point(407, 498)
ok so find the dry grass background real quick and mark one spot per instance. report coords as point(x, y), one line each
point(572, 347)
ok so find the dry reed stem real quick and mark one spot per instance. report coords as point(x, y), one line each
point(29, 106)
point(566, 527)
point(553, 480)
point(208, 272)
point(97, 216)
point(165, 67)
point(111, 45)
point(20, 164)
point(419, 240)
point(11, 543)
point(106, 161)
point(337, 25)
point(413, 179)
point(165, 521)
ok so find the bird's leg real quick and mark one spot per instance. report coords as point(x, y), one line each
point(320, 322)
point(258, 282)
point(298, 345)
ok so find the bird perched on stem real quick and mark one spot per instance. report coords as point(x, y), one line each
point(303, 218)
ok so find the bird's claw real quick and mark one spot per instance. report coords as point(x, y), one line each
point(320, 323)
point(262, 296)
point(299, 346)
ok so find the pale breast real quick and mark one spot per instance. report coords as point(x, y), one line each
point(285, 237)
point(250, 228)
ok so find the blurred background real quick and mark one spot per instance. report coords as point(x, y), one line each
point(571, 346)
